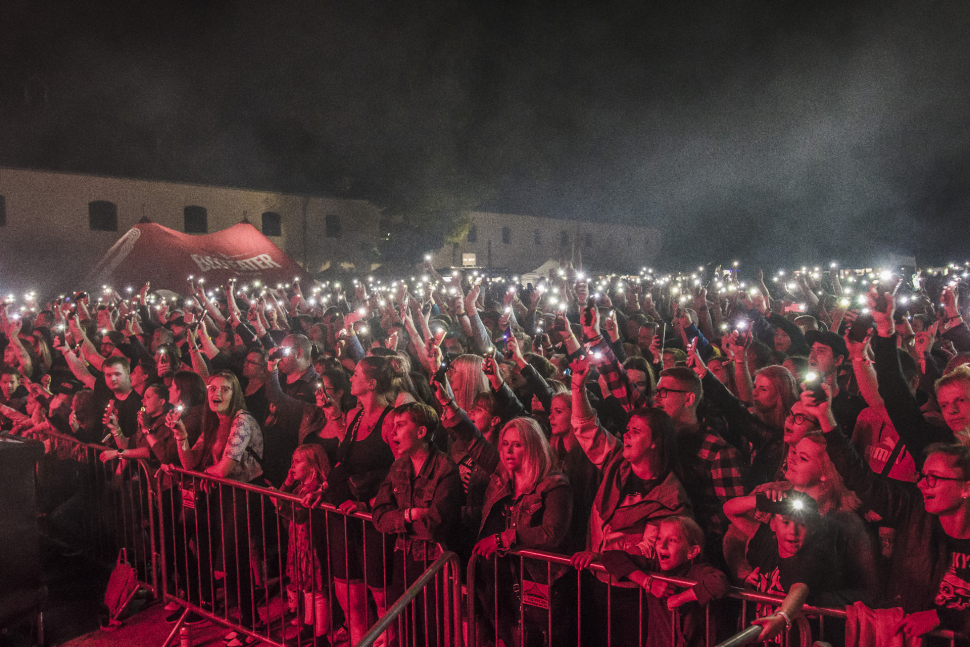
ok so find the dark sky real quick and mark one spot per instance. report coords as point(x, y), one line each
point(776, 132)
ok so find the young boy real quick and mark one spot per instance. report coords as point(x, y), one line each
point(674, 550)
point(420, 501)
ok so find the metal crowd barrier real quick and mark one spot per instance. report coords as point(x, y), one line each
point(228, 554)
point(445, 569)
point(96, 509)
point(543, 599)
point(221, 549)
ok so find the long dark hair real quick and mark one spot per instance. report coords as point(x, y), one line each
point(661, 434)
point(339, 381)
point(210, 419)
point(379, 370)
point(191, 387)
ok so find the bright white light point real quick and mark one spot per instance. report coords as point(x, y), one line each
point(885, 276)
point(797, 504)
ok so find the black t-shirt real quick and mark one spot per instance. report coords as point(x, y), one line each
point(126, 410)
point(954, 592)
point(817, 563)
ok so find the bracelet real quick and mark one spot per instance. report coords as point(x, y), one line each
point(407, 515)
point(785, 616)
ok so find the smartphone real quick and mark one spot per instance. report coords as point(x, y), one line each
point(861, 326)
point(814, 383)
point(881, 301)
point(663, 340)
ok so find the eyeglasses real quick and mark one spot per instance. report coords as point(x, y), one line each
point(219, 389)
point(663, 393)
point(800, 418)
point(931, 479)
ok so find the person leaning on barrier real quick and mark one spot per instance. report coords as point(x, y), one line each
point(527, 504)
point(678, 552)
point(639, 489)
point(230, 447)
point(153, 441)
point(358, 553)
point(929, 573)
point(420, 501)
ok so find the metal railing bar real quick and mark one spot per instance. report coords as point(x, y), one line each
point(406, 598)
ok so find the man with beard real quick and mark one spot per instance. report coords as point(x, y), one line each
point(296, 363)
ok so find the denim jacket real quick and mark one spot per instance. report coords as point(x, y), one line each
point(437, 488)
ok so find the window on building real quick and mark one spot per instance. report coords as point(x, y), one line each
point(506, 235)
point(587, 240)
point(196, 220)
point(332, 225)
point(272, 224)
point(537, 237)
point(564, 239)
point(102, 216)
point(3, 211)
point(473, 234)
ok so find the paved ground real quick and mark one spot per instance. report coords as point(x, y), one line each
point(76, 589)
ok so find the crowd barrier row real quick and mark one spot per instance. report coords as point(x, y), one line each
point(225, 551)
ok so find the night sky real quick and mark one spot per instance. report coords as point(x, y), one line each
point(774, 132)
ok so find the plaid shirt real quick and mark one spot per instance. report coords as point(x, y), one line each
point(616, 378)
point(713, 473)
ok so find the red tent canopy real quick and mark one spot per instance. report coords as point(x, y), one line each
point(150, 252)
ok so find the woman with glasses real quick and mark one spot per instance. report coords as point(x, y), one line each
point(929, 570)
point(231, 448)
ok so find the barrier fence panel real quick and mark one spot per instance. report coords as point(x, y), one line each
point(257, 561)
point(97, 508)
point(409, 621)
point(530, 597)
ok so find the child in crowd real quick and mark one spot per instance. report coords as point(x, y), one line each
point(676, 551)
point(308, 473)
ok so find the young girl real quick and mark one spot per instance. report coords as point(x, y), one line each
point(676, 550)
point(308, 473)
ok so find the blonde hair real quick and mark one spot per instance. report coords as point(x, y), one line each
point(539, 459)
point(960, 373)
point(467, 380)
point(784, 383)
point(689, 528)
point(316, 458)
point(558, 388)
point(835, 496)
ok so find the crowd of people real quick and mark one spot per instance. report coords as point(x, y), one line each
point(813, 430)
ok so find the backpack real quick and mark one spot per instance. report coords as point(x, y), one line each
point(122, 587)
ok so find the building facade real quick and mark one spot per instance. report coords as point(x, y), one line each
point(55, 226)
point(523, 243)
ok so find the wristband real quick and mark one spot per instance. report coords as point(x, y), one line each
point(407, 515)
point(785, 616)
